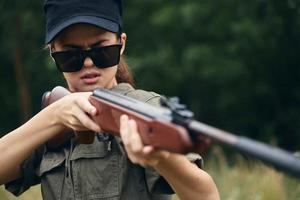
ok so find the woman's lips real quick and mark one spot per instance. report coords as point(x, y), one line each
point(90, 78)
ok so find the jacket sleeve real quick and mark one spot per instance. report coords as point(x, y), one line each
point(28, 173)
point(158, 185)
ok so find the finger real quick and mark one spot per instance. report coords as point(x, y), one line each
point(147, 150)
point(124, 129)
point(78, 120)
point(125, 135)
point(87, 122)
point(85, 105)
point(153, 155)
point(135, 139)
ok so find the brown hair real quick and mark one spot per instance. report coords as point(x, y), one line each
point(124, 74)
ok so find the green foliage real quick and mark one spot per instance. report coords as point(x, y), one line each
point(22, 31)
point(234, 63)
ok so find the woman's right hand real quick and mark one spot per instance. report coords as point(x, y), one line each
point(74, 111)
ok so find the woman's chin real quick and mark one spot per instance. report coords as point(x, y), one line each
point(85, 88)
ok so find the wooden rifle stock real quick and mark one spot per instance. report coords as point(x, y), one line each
point(173, 128)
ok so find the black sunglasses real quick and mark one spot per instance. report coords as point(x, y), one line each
point(72, 61)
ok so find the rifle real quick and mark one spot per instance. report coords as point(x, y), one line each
point(171, 127)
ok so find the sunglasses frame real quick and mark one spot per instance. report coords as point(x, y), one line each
point(83, 54)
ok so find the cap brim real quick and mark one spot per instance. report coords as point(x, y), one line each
point(97, 21)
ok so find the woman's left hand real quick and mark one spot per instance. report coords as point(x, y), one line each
point(138, 153)
point(186, 179)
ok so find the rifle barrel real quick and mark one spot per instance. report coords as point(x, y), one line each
point(276, 157)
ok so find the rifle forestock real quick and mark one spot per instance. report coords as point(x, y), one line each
point(154, 124)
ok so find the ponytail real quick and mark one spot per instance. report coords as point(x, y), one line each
point(123, 74)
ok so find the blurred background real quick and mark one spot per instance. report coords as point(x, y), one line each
point(234, 63)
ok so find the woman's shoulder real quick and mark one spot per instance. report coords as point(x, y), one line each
point(138, 94)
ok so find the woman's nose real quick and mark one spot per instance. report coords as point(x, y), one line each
point(88, 62)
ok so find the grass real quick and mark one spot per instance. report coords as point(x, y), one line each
point(249, 180)
point(236, 179)
point(32, 194)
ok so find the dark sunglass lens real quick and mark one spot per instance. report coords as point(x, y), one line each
point(68, 61)
point(106, 56)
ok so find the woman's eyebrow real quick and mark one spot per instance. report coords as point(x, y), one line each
point(72, 46)
point(98, 43)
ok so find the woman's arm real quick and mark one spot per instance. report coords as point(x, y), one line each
point(70, 111)
point(187, 180)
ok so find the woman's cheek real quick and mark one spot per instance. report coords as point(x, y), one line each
point(72, 81)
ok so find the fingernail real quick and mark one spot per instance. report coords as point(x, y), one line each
point(131, 121)
point(124, 117)
point(93, 111)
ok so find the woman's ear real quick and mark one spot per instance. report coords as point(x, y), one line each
point(123, 41)
point(51, 47)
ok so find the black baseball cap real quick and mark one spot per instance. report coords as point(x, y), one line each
point(60, 14)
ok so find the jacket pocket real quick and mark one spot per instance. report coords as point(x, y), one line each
point(51, 172)
point(96, 171)
point(49, 162)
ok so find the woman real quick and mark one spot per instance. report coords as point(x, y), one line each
point(86, 42)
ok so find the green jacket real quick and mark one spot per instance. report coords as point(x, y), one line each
point(100, 170)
